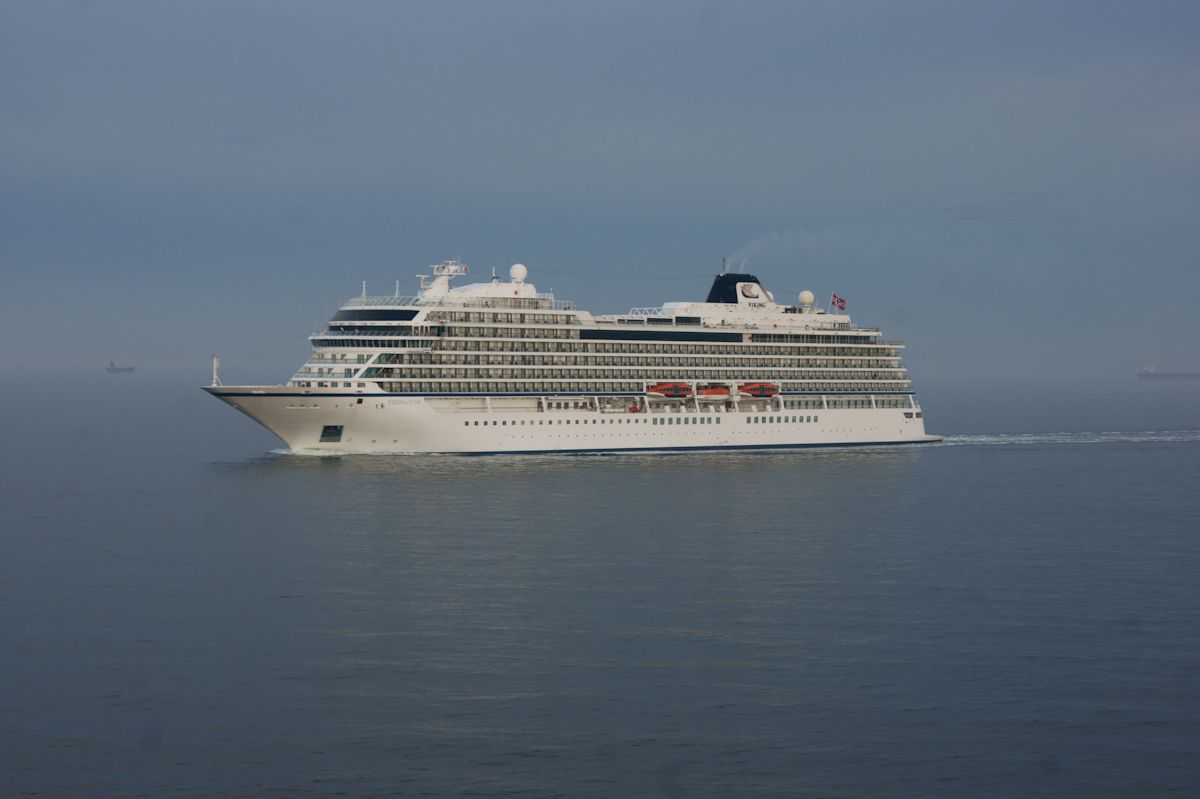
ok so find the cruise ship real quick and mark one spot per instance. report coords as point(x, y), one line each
point(497, 367)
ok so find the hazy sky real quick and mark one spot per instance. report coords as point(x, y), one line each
point(1013, 188)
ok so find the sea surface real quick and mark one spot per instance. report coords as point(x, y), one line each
point(1014, 612)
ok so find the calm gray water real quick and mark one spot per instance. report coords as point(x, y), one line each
point(186, 614)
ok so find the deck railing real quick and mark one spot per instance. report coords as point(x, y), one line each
point(538, 301)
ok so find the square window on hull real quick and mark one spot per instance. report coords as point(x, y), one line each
point(331, 433)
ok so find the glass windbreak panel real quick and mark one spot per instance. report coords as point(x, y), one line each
point(331, 432)
point(374, 315)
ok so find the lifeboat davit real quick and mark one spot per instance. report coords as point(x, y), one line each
point(759, 389)
point(670, 390)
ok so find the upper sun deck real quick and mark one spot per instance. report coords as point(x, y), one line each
point(535, 301)
point(735, 302)
point(704, 314)
point(740, 301)
point(437, 292)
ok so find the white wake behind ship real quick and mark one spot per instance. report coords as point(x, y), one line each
point(497, 367)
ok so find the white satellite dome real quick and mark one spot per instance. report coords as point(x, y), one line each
point(807, 298)
point(518, 272)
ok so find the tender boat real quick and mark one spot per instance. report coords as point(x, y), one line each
point(758, 389)
point(670, 390)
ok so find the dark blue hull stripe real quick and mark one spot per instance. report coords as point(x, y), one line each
point(635, 450)
point(365, 394)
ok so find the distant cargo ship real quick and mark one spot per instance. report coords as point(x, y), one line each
point(116, 369)
point(1150, 373)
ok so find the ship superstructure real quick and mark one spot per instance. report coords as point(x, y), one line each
point(498, 367)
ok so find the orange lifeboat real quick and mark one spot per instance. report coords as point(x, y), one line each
point(759, 389)
point(713, 392)
point(670, 390)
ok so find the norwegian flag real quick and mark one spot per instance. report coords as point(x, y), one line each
point(838, 302)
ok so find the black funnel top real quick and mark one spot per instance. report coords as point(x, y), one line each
point(724, 288)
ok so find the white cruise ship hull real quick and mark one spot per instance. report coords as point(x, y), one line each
point(500, 368)
point(317, 423)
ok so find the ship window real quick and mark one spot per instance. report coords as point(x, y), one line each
point(359, 399)
point(466, 424)
point(331, 432)
point(477, 424)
